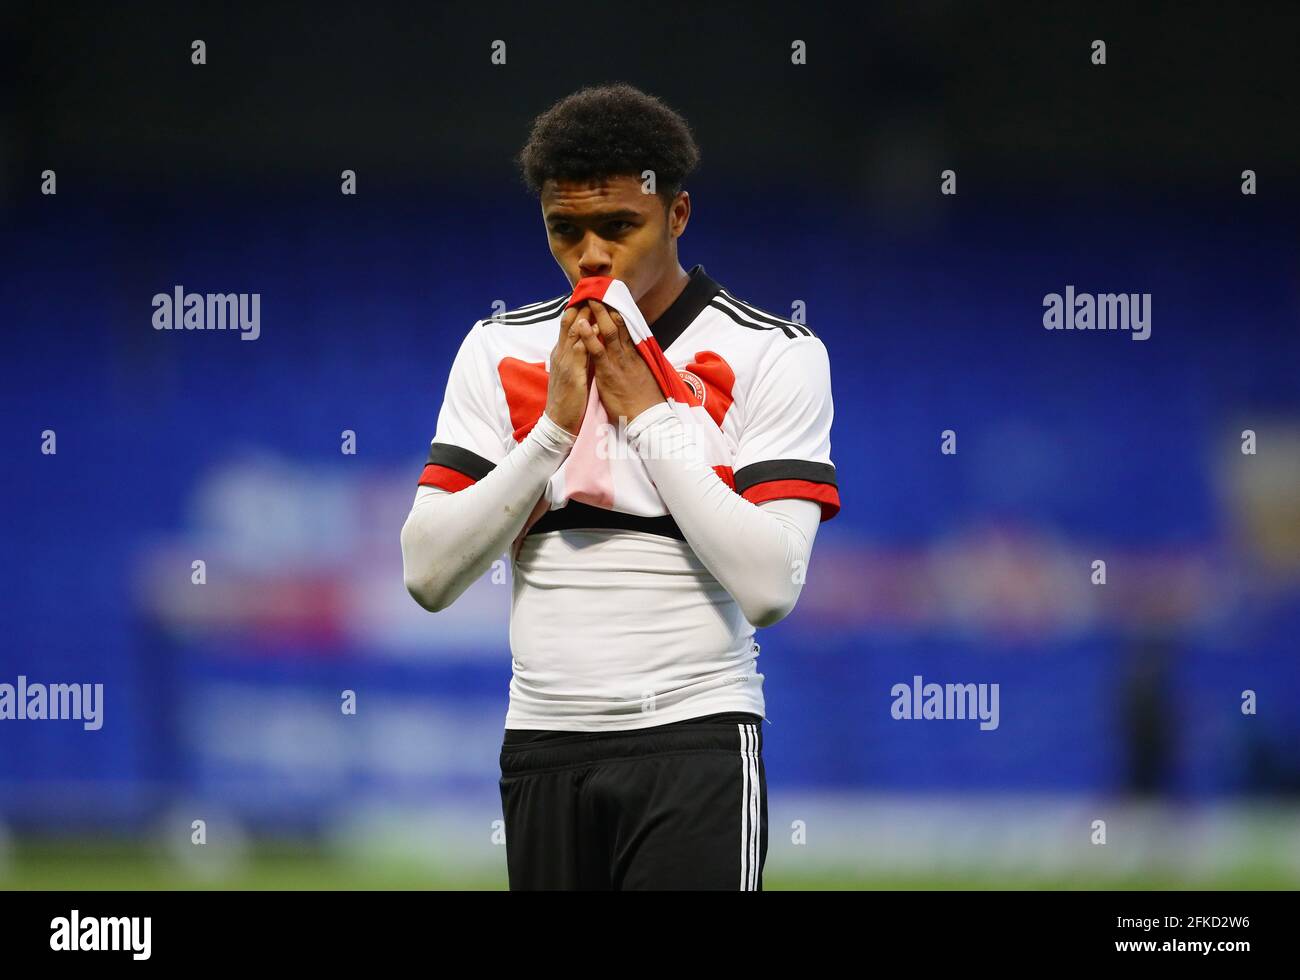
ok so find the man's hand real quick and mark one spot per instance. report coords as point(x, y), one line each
point(627, 388)
point(567, 389)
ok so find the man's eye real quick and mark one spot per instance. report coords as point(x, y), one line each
point(619, 226)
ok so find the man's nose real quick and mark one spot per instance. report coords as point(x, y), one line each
point(595, 260)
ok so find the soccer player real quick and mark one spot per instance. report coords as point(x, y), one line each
point(632, 752)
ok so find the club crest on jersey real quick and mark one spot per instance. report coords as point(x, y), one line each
point(695, 384)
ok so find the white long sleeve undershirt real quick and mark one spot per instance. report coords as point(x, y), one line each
point(450, 539)
point(756, 552)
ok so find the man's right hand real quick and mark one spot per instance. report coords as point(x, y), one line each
point(568, 388)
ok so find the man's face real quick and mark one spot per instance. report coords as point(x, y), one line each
point(611, 228)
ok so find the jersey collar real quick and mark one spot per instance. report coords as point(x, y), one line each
point(685, 308)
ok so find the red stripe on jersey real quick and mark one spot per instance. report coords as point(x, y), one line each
point(525, 388)
point(726, 475)
point(445, 478)
point(824, 493)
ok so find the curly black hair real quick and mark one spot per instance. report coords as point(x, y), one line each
point(606, 131)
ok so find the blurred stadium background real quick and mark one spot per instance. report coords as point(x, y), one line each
point(820, 184)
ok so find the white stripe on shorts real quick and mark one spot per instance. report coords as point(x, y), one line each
point(750, 810)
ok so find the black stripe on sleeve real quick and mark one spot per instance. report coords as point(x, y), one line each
point(534, 313)
point(461, 460)
point(764, 317)
point(783, 469)
point(735, 317)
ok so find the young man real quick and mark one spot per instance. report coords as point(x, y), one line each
point(632, 756)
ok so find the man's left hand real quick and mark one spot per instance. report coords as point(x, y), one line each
point(626, 386)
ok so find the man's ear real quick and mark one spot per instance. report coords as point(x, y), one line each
point(680, 213)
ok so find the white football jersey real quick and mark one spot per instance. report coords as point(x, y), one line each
point(614, 623)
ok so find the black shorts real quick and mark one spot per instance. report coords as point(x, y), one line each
point(678, 806)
